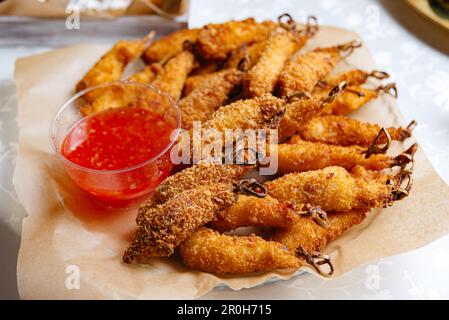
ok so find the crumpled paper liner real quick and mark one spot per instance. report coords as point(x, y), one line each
point(64, 227)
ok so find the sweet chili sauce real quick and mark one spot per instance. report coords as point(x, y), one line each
point(121, 140)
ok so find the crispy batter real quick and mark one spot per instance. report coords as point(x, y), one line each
point(345, 131)
point(253, 53)
point(209, 251)
point(355, 77)
point(206, 98)
point(312, 237)
point(216, 41)
point(253, 113)
point(147, 75)
point(306, 156)
point(297, 113)
point(352, 99)
point(166, 47)
point(174, 74)
point(302, 73)
point(199, 175)
point(165, 226)
point(334, 188)
point(262, 77)
point(251, 211)
point(111, 65)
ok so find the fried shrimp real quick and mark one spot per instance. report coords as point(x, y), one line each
point(343, 131)
point(259, 112)
point(334, 188)
point(263, 76)
point(166, 47)
point(355, 77)
point(172, 77)
point(302, 73)
point(147, 75)
point(250, 53)
point(216, 41)
point(209, 251)
point(312, 237)
point(252, 211)
point(199, 175)
point(305, 156)
point(200, 104)
point(165, 226)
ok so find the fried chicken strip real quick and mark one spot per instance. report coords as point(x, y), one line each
point(165, 226)
point(166, 47)
point(216, 41)
point(302, 73)
point(334, 188)
point(305, 156)
point(262, 77)
point(209, 251)
point(252, 211)
point(199, 175)
point(172, 77)
point(201, 103)
point(343, 131)
point(312, 237)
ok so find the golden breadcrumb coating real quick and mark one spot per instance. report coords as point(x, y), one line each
point(253, 52)
point(252, 211)
point(297, 113)
point(165, 226)
point(166, 47)
point(354, 77)
point(263, 76)
point(313, 237)
point(302, 73)
point(254, 113)
point(199, 175)
point(334, 188)
point(216, 41)
point(147, 75)
point(201, 103)
point(209, 251)
point(352, 99)
point(343, 131)
point(306, 156)
point(172, 77)
point(111, 65)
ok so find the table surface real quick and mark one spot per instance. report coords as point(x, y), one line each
point(412, 49)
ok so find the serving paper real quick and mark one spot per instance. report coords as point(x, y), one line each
point(67, 237)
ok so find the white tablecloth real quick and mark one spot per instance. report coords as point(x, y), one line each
point(412, 49)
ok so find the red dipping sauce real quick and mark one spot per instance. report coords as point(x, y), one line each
point(120, 153)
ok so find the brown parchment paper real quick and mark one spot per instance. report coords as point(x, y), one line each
point(65, 229)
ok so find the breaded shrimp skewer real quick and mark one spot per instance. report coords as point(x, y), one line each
point(172, 77)
point(199, 175)
point(335, 189)
point(353, 98)
point(216, 41)
point(302, 73)
point(147, 75)
point(305, 156)
point(165, 226)
point(355, 77)
point(111, 65)
point(200, 104)
point(252, 211)
point(166, 47)
point(310, 236)
point(262, 77)
point(209, 251)
point(343, 131)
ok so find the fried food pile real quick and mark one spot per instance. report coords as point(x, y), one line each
point(332, 169)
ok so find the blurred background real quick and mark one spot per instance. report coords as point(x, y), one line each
point(408, 38)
